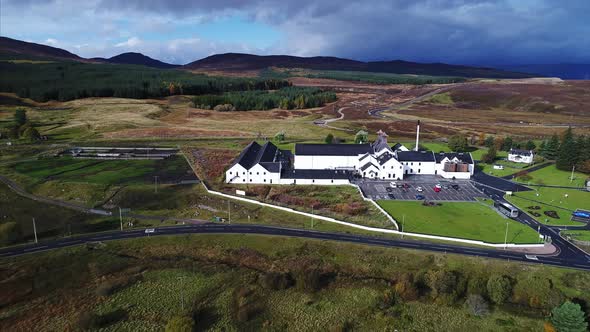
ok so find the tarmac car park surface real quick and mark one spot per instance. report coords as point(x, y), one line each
point(381, 189)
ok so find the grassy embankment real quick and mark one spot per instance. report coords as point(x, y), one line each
point(473, 221)
point(245, 282)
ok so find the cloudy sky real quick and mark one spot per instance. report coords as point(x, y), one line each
point(479, 32)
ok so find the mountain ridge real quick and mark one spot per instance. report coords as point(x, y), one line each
point(241, 62)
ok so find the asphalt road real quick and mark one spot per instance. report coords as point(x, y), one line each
point(211, 228)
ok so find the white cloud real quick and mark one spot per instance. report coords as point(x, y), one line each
point(51, 41)
point(131, 42)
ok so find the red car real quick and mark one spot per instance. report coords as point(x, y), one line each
point(436, 189)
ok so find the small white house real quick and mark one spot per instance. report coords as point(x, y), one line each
point(521, 156)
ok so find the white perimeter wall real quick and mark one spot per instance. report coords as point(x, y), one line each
point(325, 162)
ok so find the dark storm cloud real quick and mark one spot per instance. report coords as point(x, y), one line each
point(458, 31)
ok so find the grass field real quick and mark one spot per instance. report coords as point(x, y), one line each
point(473, 221)
point(139, 284)
point(552, 199)
point(112, 172)
point(578, 235)
point(552, 176)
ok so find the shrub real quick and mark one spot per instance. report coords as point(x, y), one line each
point(277, 280)
point(10, 233)
point(309, 280)
point(499, 288)
point(180, 324)
point(476, 305)
point(569, 317)
point(477, 286)
point(406, 288)
point(441, 282)
point(224, 108)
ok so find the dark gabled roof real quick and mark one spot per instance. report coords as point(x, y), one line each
point(367, 165)
point(463, 157)
point(384, 158)
point(254, 154)
point(364, 156)
point(332, 149)
point(247, 158)
point(521, 152)
point(271, 167)
point(267, 153)
point(316, 174)
point(397, 146)
point(425, 156)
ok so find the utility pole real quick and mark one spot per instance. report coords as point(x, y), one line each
point(312, 217)
point(506, 237)
point(539, 231)
point(156, 184)
point(121, 218)
point(229, 211)
point(35, 231)
point(572, 177)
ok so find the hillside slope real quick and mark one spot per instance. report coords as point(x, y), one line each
point(244, 62)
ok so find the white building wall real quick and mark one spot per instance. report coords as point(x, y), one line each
point(256, 175)
point(522, 159)
point(419, 167)
point(334, 182)
point(391, 170)
point(325, 162)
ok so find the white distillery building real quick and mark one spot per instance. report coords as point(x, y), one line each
point(333, 164)
point(521, 156)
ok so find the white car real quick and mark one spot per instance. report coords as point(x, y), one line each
point(392, 184)
point(498, 167)
point(419, 189)
point(438, 186)
point(150, 230)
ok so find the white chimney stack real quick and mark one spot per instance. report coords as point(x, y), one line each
point(417, 136)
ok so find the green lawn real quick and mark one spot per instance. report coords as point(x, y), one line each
point(552, 176)
point(477, 154)
point(575, 199)
point(109, 172)
point(473, 221)
point(578, 235)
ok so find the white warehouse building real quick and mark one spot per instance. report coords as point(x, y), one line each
point(333, 164)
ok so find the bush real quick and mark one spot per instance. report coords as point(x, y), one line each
point(277, 280)
point(406, 288)
point(10, 233)
point(499, 288)
point(569, 317)
point(477, 305)
point(224, 108)
point(180, 324)
point(31, 134)
point(309, 280)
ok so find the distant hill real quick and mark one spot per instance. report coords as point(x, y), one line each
point(243, 62)
point(567, 71)
point(132, 58)
point(18, 47)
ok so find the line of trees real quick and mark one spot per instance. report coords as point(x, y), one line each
point(568, 150)
point(286, 98)
point(22, 128)
point(65, 81)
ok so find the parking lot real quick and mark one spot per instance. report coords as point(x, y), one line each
point(464, 192)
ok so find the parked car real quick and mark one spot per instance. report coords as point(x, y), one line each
point(455, 186)
point(419, 197)
point(400, 185)
point(438, 186)
point(437, 189)
point(446, 186)
point(388, 189)
point(392, 184)
point(391, 196)
point(406, 185)
point(419, 189)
